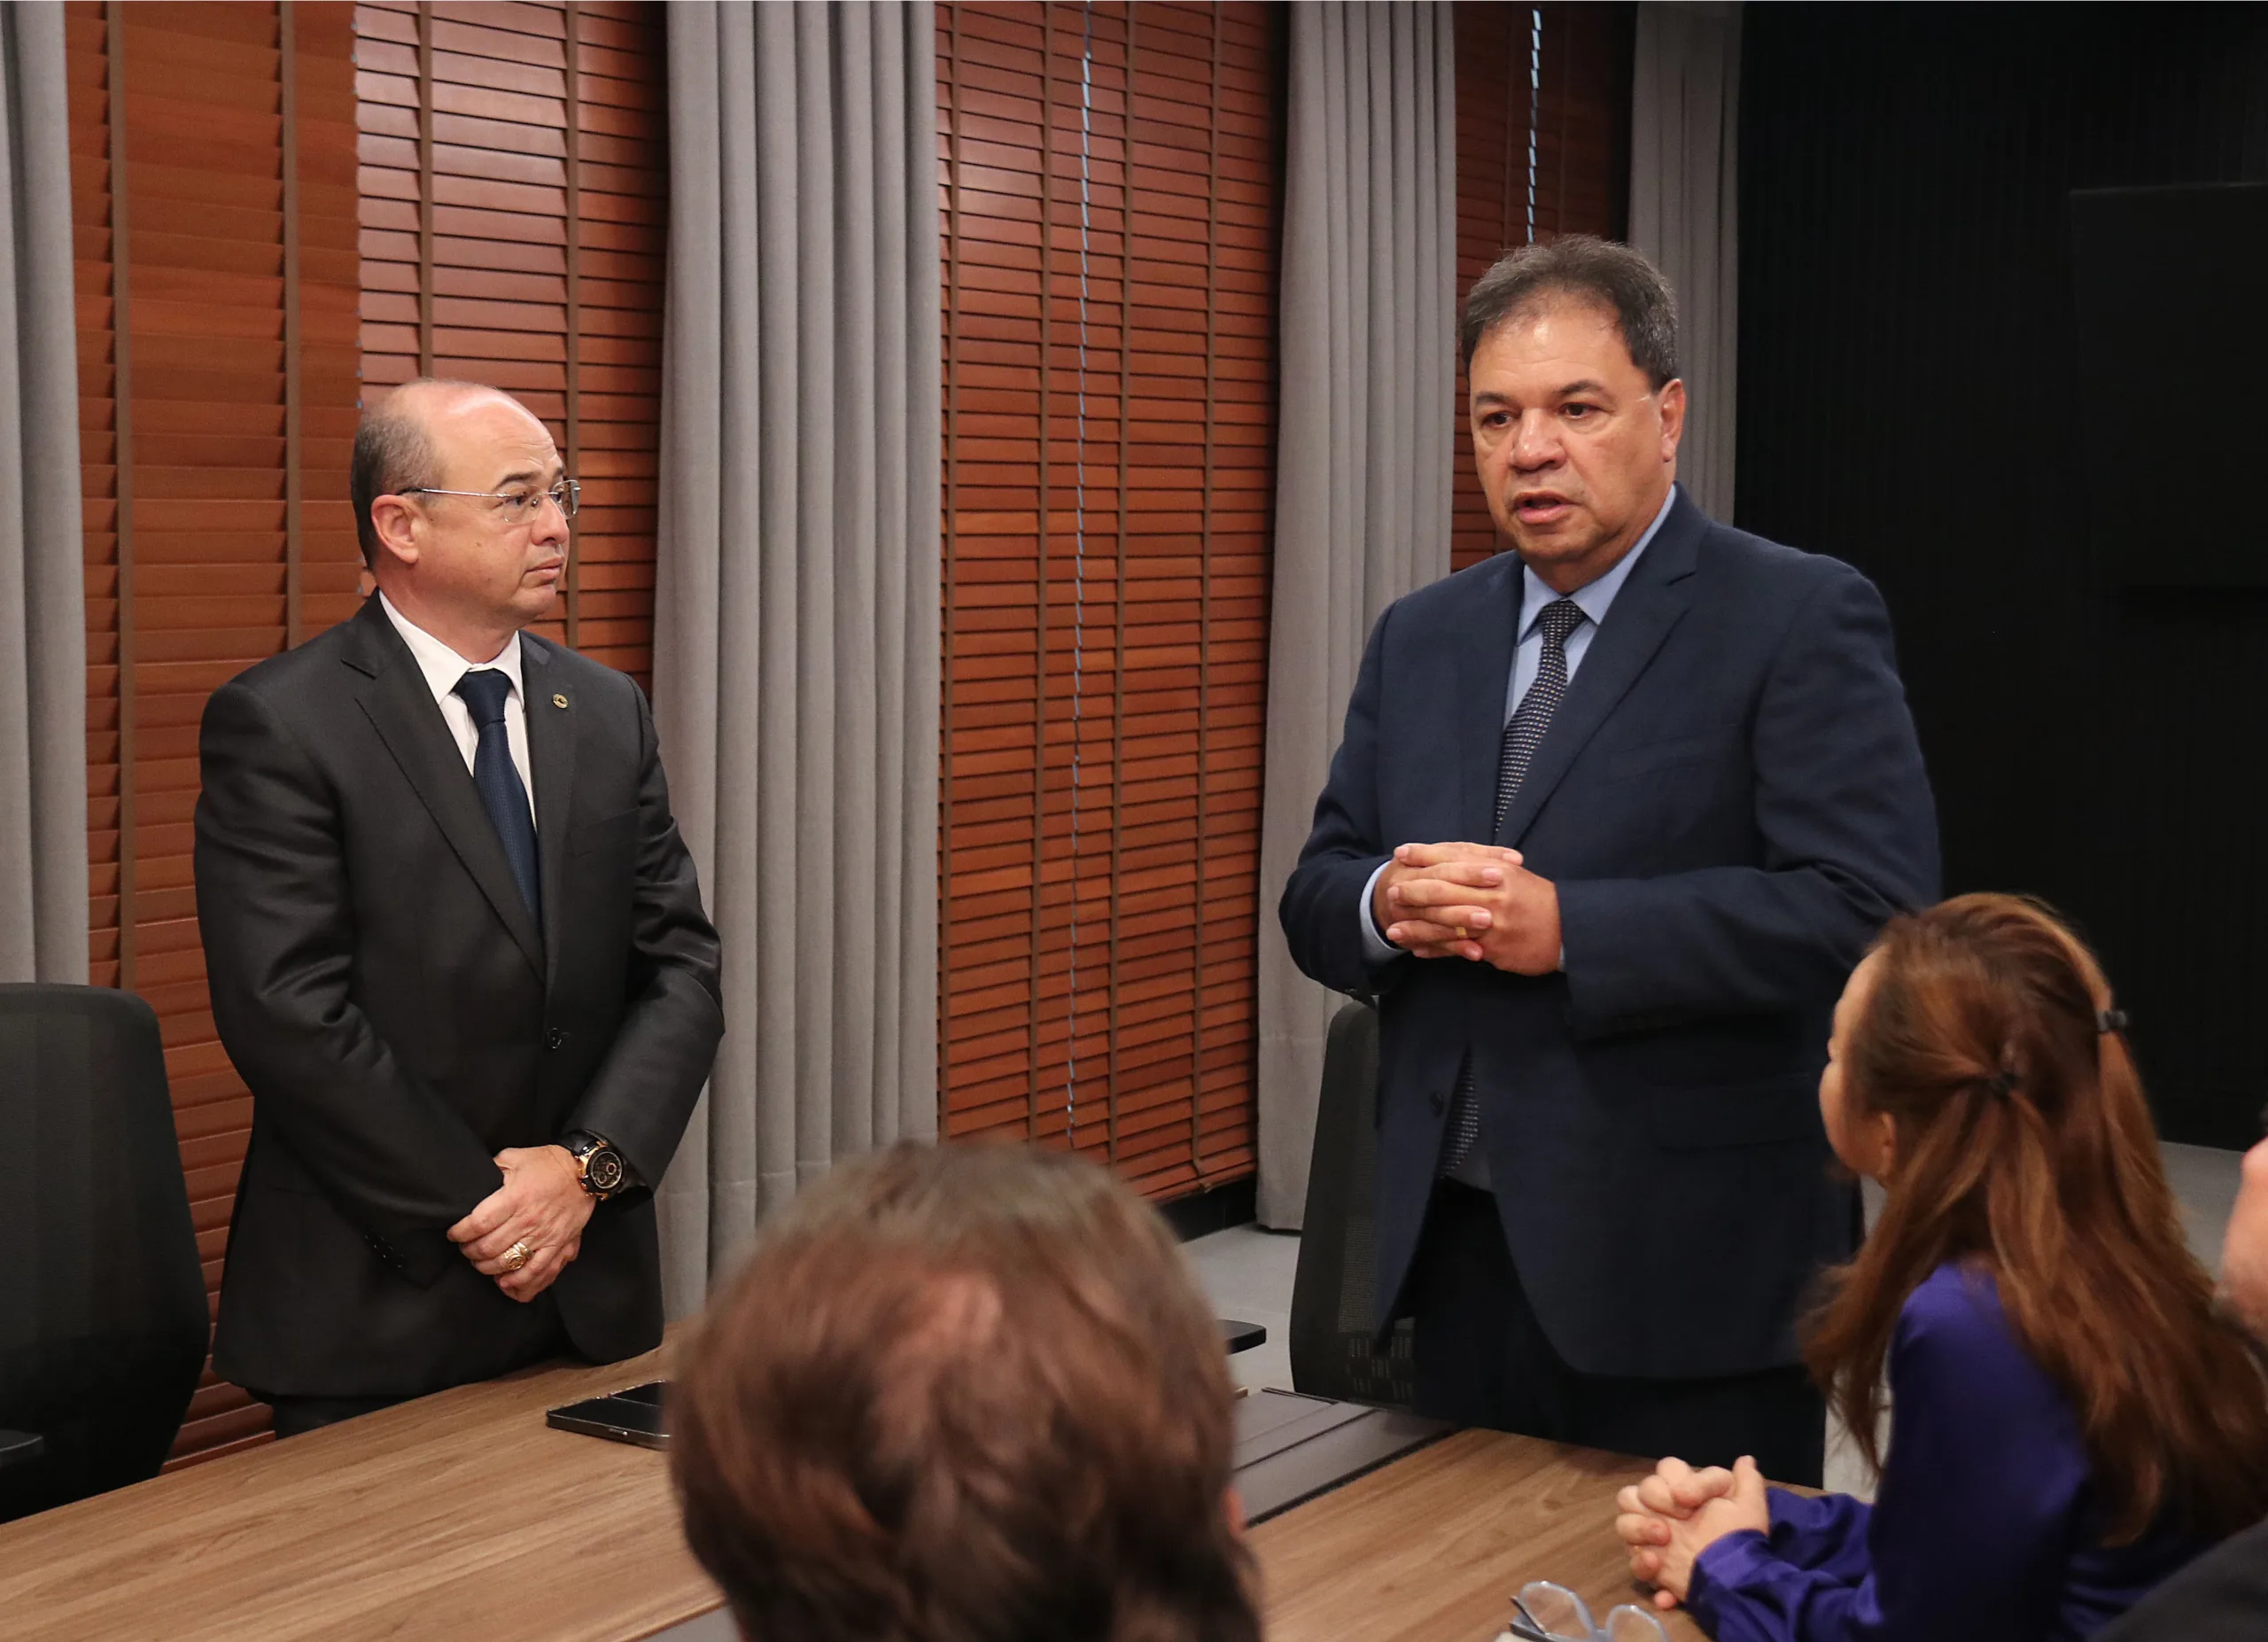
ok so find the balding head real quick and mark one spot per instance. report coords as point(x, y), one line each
point(400, 442)
point(462, 504)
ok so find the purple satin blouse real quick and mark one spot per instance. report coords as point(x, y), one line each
point(1984, 1528)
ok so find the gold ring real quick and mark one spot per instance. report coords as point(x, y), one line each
point(518, 1256)
point(1460, 932)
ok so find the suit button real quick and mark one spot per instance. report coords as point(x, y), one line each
point(555, 1039)
point(1439, 1102)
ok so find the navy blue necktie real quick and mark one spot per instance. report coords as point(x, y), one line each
point(484, 690)
point(1523, 733)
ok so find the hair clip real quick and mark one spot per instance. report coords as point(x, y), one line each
point(2110, 1020)
point(2002, 1084)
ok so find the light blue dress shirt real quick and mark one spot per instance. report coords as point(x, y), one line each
point(1593, 599)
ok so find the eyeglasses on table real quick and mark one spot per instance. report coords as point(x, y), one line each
point(1543, 1611)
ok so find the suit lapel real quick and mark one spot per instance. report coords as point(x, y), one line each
point(1487, 625)
point(551, 761)
point(1649, 604)
point(402, 711)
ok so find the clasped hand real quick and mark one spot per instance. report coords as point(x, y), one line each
point(1474, 902)
point(1672, 1517)
point(541, 1204)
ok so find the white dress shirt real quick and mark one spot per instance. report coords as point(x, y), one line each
point(443, 667)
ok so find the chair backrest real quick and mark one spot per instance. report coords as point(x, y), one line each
point(104, 1327)
point(1336, 1351)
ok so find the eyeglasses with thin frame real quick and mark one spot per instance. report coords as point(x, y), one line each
point(1545, 1612)
point(517, 506)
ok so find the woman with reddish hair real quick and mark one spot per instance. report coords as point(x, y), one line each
point(2073, 1422)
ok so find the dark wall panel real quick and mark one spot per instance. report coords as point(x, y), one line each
point(1916, 397)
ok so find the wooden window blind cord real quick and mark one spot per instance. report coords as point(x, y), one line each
point(1118, 586)
point(1079, 566)
point(950, 582)
point(1535, 106)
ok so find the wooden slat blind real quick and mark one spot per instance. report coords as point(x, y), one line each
point(213, 210)
point(1542, 148)
point(514, 206)
point(1109, 192)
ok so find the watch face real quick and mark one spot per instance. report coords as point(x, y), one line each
point(603, 1168)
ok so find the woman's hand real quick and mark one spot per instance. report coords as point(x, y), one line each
point(1668, 1519)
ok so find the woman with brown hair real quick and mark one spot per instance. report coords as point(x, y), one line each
point(2073, 1422)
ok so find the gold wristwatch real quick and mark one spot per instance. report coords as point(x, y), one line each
point(599, 1168)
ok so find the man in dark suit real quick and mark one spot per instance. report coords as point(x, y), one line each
point(1613, 816)
point(456, 948)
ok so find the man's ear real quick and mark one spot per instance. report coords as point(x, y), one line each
point(397, 524)
point(1672, 403)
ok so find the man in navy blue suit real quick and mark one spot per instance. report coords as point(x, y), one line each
point(1613, 816)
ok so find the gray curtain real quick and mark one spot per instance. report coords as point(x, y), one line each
point(1364, 452)
point(43, 572)
point(796, 614)
point(1685, 214)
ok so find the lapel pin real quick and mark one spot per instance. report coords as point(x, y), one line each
point(559, 701)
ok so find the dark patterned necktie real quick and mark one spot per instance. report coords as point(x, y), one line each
point(484, 690)
point(1523, 733)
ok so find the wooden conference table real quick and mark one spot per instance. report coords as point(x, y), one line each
point(463, 1515)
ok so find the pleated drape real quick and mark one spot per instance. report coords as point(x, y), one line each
point(797, 611)
point(1364, 452)
point(1685, 214)
point(43, 569)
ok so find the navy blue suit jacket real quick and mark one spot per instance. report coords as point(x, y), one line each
point(1731, 801)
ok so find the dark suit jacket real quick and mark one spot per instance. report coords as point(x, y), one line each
point(1731, 802)
point(2221, 1597)
point(384, 992)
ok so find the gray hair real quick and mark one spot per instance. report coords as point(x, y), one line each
point(1585, 268)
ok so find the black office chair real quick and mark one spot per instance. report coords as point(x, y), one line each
point(1335, 1348)
point(104, 1327)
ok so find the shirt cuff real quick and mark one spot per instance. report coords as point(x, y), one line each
point(1376, 947)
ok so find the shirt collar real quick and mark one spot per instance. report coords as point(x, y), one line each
point(443, 666)
point(1594, 597)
